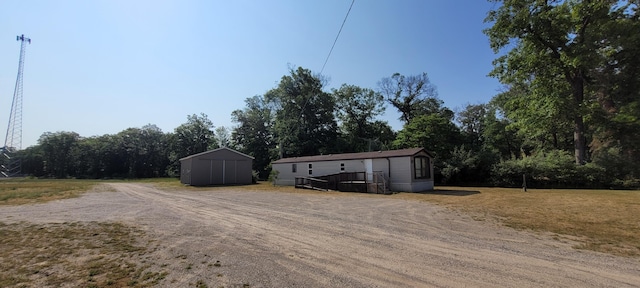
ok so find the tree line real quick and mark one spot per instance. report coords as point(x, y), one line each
point(568, 115)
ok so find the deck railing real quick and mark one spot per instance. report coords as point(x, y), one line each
point(375, 182)
point(311, 183)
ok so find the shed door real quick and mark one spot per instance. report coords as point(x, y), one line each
point(230, 171)
point(215, 172)
point(368, 168)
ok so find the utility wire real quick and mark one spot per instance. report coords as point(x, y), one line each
point(323, 65)
point(329, 55)
point(336, 40)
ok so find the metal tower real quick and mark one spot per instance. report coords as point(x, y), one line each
point(13, 140)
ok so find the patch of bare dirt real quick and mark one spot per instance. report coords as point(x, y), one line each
point(238, 238)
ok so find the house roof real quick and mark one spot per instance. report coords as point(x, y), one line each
point(214, 150)
point(354, 156)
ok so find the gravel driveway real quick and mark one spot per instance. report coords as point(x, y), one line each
point(278, 239)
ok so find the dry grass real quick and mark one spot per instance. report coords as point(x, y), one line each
point(69, 254)
point(600, 220)
point(73, 255)
point(16, 191)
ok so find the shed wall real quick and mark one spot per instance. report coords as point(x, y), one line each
point(185, 171)
point(216, 172)
point(216, 168)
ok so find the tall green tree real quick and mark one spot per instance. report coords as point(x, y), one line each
point(32, 161)
point(411, 95)
point(57, 151)
point(433, 132)
point(130, 148)
point(554, 48)
point(472, 124)
point(537, 117)
point(616, 85)
point(195, 136)
point(192, 137)
point(500, 137)
point(154, 155)
point(143, 151)
point(357, 108)
point(223, 137)
point(98, 157)
point(253, 134)
point(131, 153)
point(304, 122)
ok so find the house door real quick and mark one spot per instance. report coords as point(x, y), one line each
point(368, 168)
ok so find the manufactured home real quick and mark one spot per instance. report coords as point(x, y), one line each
point(406, 170)
point(222, 166)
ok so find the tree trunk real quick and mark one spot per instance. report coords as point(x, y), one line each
point(580, 143)
point(579, 140)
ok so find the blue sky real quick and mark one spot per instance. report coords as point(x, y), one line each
point(99, 67)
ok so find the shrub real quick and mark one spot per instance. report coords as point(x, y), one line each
point(467, 167)
point(618, 167)
point(273, 176)
point(551, 169)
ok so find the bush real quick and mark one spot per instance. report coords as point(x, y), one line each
point(551, 169)
point(618, 167)
point(273, 176)
point(467, 167)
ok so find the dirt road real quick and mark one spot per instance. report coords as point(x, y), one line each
point(239, 238)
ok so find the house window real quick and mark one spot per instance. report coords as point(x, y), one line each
point(294, 168)
point(422, 167)
point(341, 166)
point(310, 171)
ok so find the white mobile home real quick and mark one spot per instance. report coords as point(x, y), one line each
point(407, 170)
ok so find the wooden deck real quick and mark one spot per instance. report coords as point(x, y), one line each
point(346, 182)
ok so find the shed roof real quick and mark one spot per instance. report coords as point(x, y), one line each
point(354, 156)
point(215, 150)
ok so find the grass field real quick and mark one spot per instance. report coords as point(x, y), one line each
point(601, 220)
point(16, 191)
point(76, 254)
point(73, 254)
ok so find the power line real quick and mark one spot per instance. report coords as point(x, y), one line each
point(325, 63)
point(337, 36)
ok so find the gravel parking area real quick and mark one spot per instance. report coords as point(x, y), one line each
point(239, 238)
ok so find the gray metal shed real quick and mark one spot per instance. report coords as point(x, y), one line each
point(216, 167)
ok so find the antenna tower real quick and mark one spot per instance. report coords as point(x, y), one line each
point(13, 140)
